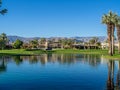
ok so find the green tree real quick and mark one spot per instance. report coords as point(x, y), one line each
point(17, 44)
point(42, 40)
point(66, 43)
point(34, 43)
point(62, 41)
point(70, 42)
point(3, 41)
point(2, 11)
point(18, 60)
point(94, 41)
point(109, 20)
point(98, 44)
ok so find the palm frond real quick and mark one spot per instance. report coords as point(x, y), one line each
point(109, 18)
point(3, 11)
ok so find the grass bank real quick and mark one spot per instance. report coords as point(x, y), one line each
point(38, 52)
point(23, 52)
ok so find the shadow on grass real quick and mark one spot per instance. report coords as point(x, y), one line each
point(40, 50)
point(33, 49)
point(14, 54)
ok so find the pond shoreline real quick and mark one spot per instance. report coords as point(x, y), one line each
point(24, 52)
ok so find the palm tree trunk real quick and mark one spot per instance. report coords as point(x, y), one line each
point(109, 39)
point(113, 47)
point(118, 36)
point(62, 47)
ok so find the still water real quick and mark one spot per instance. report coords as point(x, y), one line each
point(59, 72)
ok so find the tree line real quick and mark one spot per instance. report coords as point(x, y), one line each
point(63, 43)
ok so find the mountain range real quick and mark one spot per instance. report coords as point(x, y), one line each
point(85, 39)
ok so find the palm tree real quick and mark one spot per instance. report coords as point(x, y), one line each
point(34, 43)
point(94, 41)
point(3, 11)
point(117, 24)
point(63, 43)
point(42, 40)
point(109, 20)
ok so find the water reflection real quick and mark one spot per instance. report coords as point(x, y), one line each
point(118, 77)
point(110, 81)
point(2, 65)
point(69, 59)
point(43, 59)
point(18, 60)
point(113, 79)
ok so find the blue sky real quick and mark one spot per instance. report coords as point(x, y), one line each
point(56, 18)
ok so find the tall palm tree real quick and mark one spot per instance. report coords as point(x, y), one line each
point(109, 20)
point(94, 41)
point(117, 24)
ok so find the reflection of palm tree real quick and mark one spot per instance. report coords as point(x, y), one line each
point(110, 81)
point(17, 60)
point(93, 60)
point(118, 77)
point(2, 65)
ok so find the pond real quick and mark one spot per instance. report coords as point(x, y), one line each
point(59, 72)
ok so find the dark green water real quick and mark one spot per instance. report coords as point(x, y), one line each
point(59, 72)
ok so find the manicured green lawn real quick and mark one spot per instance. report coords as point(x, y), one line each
point(93, 51)
point(19, 52)
point(38, 52)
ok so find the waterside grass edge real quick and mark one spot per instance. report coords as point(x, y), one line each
point(24, 52)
